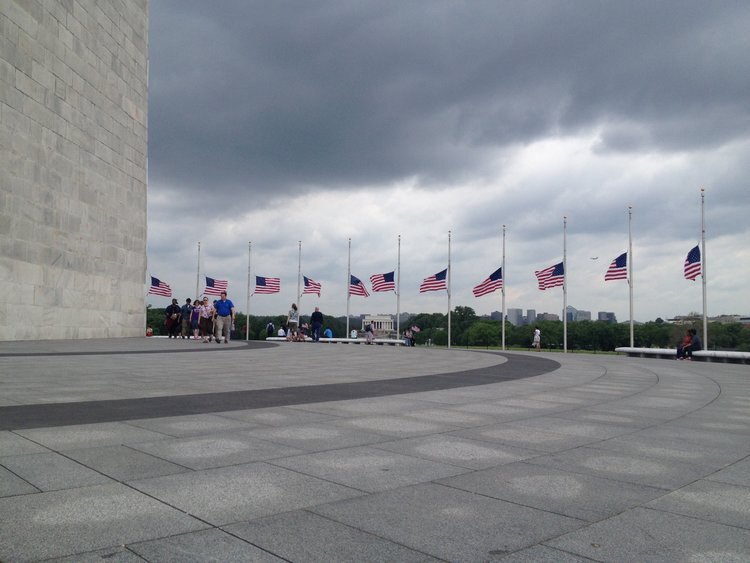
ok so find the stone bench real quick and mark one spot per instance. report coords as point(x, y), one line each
point(701, 355)
point(379, 341)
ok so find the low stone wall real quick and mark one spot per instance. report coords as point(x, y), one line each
point(701, 355)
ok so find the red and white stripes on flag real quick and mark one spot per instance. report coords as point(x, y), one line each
point(311, 286)
point(492, 283)
point(158, 287)
point(383, 282)
point(356, 287)
point(215, 287)
point(553, 276)
point(265, 285)
point(693, 263)
point(434, 283)
point(618, 269)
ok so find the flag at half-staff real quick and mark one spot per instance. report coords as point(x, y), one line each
point(158, 287)
point(434, 283)
point(383, 282)
point(492, 283)
point(692, 266)
point(265, 285)
point(310, 286)
point(356, 287)
point(618, 269)
point(554, 276)
point(215, 287)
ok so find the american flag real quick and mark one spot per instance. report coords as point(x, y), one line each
point(158, 287)
point(215, 287)
point(434, 283)
point(383, 282)
point(693, 264)
point(356, 287)
point(311, 286)
point(553, 276)
point(267, 285)
point(618, 269)
point(492, 283)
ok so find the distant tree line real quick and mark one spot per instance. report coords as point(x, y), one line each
point(467, 329)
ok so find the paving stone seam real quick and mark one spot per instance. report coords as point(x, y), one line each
point(515, 502)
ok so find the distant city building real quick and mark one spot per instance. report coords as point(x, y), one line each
point(547, 317)
point(606, 317)
point(576, 315)
point(530, 316)
point(515, 316)
point(380, 323)
point(496, 315)
point(692, 318)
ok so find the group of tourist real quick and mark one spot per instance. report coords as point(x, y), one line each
point(201, 319)
point(298, 333)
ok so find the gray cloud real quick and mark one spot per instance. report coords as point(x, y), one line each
point(266, 99)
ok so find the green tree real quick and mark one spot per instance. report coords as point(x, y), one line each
point(484, 333)
point(155, 320)
point(462, 319)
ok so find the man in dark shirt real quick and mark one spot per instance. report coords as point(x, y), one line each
point(695, 345)
point(185, 313)
point(172, 319)
point(316, 319)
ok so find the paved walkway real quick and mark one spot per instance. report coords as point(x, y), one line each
point(158, 450)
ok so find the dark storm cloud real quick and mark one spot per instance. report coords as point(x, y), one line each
point(272, 98)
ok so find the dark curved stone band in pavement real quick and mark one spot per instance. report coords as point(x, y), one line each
point(87, 412)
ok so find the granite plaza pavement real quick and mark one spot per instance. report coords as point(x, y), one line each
point(160, 450)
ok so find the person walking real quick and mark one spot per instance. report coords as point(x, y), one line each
point(537, 339)
point(195, 317)
point(206, 321)
point(292, 322)
point(224, 318)
point(185, 312)
point(316, 319)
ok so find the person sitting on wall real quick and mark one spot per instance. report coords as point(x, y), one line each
point(695, 345)
point(686, 341)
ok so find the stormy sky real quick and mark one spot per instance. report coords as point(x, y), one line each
point(320, 121)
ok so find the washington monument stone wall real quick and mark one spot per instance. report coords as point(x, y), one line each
point(73, 165)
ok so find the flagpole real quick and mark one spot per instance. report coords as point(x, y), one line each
point(348, 283)
point(198, 274)
point(247, 314)
point(299, 275)
point(565, 285)
point(630, 271)
point(703, 269)
point(398, 292)
point(449, 289)
point(503, 291)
